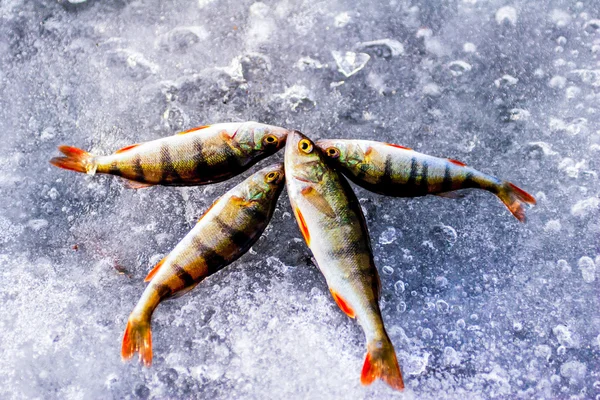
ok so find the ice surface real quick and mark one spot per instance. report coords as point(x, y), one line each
point(476, 304)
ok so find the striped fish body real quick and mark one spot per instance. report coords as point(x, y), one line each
point(398, 171)
point(199, 156)
point(224, 233)
point(334, 228)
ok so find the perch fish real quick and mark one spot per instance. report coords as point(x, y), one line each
point(225, 232)
point(399, 171)
point(198, 156)
point(334, 228)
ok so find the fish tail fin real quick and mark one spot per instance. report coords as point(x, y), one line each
point(381, 362)
point(75, 160)
point(515, 199)
point(138, 338)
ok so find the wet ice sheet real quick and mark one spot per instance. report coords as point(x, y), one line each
point(476, 304)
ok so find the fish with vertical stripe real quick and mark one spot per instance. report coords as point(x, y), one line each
point(225, 232)
point(333, 226)
point(199, 156)
point(399, 171)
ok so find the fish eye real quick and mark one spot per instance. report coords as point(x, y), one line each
point(333, 152)
point(271, 139)
point(271, 176)
point(306, 146)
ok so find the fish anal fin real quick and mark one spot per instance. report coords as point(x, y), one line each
point(452, 195)
point(129, 184)
point(302, 225)
point(154, 270)
point(131, 146)
point(398, 146)
point(456, 162)
point(194, 129)
point(342, 304)
point(318, 201)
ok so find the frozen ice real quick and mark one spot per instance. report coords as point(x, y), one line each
point(349, 62)
point(477, 304)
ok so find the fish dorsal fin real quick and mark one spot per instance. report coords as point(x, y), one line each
point(456, 162)
point(154, 270)
point(318, 201)
point(302, 226)
point(342, 304)
point(194, 129)
point(129, 184)
point(131, 146)
point(398, 146)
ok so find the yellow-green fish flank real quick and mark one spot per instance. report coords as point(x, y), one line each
point(224, 233)
point(398, 171)
point(334, 228)
point(198, 156)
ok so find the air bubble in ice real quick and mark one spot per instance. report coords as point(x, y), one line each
point(506, 14)
point(459, 67)
point(349, 63)
point(592, 26)
point(37, 224)
point(342, 19)
point(441, 306)
point(427, 334)
point(585, 208)
point(416, 364)
point(387, 270)
point(401, 307)
point(506, 80)
point(552, 226)
point(588, 269)
point(469, 47)
point(182, 38)
point(388, 236)
point(564, 336)
point(385, 48)
point(399, 287)
point(557, 81)
point(451, 356)
point(574, 370)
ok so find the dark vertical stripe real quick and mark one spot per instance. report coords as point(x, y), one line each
point(169, 174)
point(137, 169)
point(114, 169)
point(386, 178)
point(447, 183)
point(469, 182)
point(424, 184)
point(200, 164)
point(163, 291)
point(214, 261)
point(239, 238)
point(412, 178)
point(183, 275)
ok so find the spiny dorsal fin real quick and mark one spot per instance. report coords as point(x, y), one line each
point(318, 201)
point(456, 162)
point(131, 146)
point(193, 129)
point(154, 270)
point(398, 146)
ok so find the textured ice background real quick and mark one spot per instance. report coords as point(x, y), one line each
point(477, 304)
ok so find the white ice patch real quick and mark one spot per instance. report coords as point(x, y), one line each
point(560, 18)
point(585, 208)
point(506, 14)
point(349, 63)
point(588, 269)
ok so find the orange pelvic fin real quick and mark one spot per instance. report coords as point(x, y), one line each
point(515, 198)
point(137, 338)
point(154, 270)
point(342, 304)
point(318, 201)
point(131, 146)
point(129, 184)
point(456, 162)
point(302, 226)
point(398, 146)
point(193, 129)
point(75, 160)
point(381, 362)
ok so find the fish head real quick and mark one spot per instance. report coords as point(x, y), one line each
point(255, 137)
point(266, 183)
point(304, 160)
point(341, 151)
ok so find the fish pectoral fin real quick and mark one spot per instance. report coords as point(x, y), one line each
point(194, 129)
point(183, 291)
point(123, 149)
point(318, 201)
point(129, 184)
point(154, 270)
point(342, 304)
point(241, 201)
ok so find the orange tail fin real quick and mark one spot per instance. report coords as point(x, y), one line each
point(515, 198)
point(137, 338)
point(75, 160)
point(381, 363)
